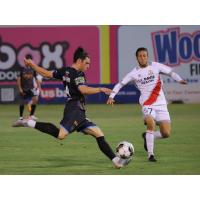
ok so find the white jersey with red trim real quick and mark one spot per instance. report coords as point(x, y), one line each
point(149, 82)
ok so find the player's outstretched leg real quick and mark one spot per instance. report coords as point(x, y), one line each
point(44, 127)
point(105, 147)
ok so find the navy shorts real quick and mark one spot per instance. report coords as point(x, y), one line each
point(74, 117)
point(24, 99)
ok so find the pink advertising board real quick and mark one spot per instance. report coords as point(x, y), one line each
point(50, 46)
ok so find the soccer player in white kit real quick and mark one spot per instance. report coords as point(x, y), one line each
point(152, 99)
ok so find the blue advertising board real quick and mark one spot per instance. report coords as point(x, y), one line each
point(55, 94)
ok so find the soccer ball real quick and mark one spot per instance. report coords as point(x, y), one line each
point(125, 150)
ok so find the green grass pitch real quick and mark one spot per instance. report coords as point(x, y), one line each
point(27, 151)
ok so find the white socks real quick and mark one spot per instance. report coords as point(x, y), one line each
point(150, 136)
point(150, 142)
point(31, 123)
point(157, 135)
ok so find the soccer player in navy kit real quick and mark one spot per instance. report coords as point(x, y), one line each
point(27, 90)
point(74, 117)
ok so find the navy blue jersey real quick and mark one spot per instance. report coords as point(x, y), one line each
point(72, 79)
point(27, 76)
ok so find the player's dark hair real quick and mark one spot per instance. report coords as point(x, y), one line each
point(140, 49)
point(80, 53)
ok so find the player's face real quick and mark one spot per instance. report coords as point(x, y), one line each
point(85, 64)
point(142, 58)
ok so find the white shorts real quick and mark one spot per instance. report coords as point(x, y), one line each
point(159, 113)
point(36, 91)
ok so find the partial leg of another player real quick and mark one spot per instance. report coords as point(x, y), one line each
point(21, 111)
point(44, 127)
point(33, 107)
point(22, 102)
point(163, 120)
point(165, 130)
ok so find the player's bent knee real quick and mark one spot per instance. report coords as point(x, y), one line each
point(61, 137)
point(166, 134)
point(62, 134)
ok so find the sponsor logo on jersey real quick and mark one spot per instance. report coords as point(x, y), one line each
point(146, 80)
point(67, 79)
point(79, 80)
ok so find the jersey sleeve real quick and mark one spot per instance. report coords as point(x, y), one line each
point(58, 73)
point(163, 68)
point(128, 78)
point(80, 79)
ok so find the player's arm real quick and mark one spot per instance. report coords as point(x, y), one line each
point(118, 87)
point(19, 85)
point(168, 71)
point(93, 90)
point(38, 69)
point(177, 78)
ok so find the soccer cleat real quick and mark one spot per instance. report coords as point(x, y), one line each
point(145, 142)
point(17, 123)
point(152, 158)
point(33, 117)
point(119, 162)
point(20, 123)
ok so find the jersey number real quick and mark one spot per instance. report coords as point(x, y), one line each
point(149, 110)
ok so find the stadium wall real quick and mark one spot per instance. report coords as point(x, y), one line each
point(112, 50)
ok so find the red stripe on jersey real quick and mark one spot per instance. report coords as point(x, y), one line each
point(154, 94)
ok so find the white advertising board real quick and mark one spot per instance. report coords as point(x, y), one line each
point(175, 46)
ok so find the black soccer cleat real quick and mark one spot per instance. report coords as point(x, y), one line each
point(152, 158)
point(145, 142)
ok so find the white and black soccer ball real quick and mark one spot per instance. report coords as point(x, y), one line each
point(125, 150)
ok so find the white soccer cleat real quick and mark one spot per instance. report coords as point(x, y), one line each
point(33, 117)
point(20, 123)
point(119, 162)
point(116, 162)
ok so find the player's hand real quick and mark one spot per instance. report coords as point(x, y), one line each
point(110, 101)
point(28, 62)
point(183, 82)
point(106, 90)
point(21, 92)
